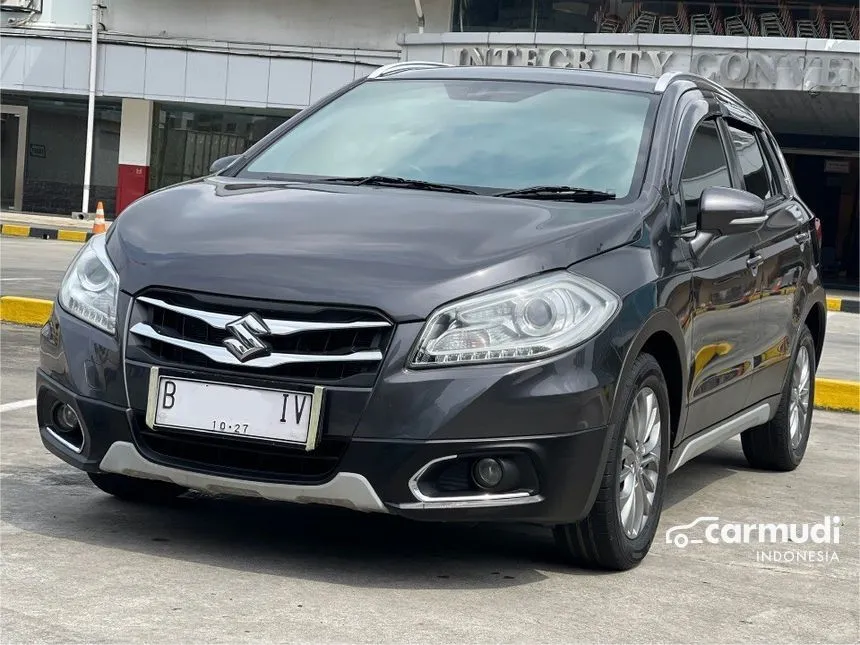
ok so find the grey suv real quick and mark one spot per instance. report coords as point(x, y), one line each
point(458, 294)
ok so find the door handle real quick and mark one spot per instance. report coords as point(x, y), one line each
point(755, 261)
point(802, 238)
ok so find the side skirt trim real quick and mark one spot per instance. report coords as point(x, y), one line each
point(714, 436)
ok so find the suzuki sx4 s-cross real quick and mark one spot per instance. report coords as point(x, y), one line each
point(455, 294)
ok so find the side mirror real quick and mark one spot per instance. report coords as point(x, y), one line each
point(724, 211)
point(219, 164)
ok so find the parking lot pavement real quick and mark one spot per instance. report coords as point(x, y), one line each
point(81, 566)
point(33, 268)
point(19, 352)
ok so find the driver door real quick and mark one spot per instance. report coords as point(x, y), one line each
point(724, 281)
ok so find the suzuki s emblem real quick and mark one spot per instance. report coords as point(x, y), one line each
point(245, 342)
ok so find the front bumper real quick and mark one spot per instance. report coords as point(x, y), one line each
point(551, 418)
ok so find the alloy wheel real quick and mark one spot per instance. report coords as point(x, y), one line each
point(798, 408)
point(639, 469)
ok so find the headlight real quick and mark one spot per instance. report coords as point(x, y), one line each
point(529, 320)
point(90, 287)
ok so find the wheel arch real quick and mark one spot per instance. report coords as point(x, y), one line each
point(662, 337)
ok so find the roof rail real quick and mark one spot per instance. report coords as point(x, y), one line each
point(405, 66)
point(668, 78)
point(665, 80)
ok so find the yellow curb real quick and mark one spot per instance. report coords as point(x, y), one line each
point(72, 236)
point(15, 229)
point(834, 304)
point(25, 311)
point(833, 394)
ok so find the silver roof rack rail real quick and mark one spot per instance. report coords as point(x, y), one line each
point(404, 66)
point(665, 80)
point(668, 78)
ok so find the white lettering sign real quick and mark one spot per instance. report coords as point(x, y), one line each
point(808, 72)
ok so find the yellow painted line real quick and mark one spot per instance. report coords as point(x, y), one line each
point(18, 230)
point(72, 236)
point(834, 304)
point(833, 394)
point(25, 311)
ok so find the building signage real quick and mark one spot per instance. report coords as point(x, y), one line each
point(754, 69)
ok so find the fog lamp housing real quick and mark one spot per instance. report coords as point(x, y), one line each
point(65, 418)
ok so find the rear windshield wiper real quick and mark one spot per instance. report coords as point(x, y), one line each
point(558, 192)
point(400, 182)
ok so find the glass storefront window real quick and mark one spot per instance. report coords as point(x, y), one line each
point(55, 151)
point(839, 19)
point(186, 141)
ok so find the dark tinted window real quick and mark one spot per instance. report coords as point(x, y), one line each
point(756, 173)
point(705, 166)
point(777, 177)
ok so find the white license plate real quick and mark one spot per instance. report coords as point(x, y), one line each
point(237, 410)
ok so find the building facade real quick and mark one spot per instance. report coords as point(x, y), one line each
point(179, 84)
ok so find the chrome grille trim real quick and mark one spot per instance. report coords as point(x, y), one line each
point(276, 327)
point(221, 355)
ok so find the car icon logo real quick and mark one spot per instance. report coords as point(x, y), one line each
point(676, 536)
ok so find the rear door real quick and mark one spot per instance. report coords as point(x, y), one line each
point(784, 251)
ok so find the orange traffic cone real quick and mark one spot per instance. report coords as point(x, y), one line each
point(99, 223)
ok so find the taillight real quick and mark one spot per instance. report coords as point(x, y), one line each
point(818, 232)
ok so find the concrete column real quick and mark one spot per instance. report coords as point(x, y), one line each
point(135, 135)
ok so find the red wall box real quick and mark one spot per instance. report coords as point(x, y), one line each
point(131, 184)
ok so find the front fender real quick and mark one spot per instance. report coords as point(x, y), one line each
point(663, 330)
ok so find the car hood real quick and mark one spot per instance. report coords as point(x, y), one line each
point(404, 252)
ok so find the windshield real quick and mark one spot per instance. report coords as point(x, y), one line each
point(486, 135)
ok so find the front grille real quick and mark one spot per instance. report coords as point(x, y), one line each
point(244, 459)
point(313, 344)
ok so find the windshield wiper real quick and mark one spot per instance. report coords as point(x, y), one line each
point(558, 192)
point(399, 182)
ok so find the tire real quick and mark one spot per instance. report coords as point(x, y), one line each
point(776, 445)
point(601, 540)
point(133, 489)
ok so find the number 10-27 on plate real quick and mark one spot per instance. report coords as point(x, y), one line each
point(237, 410)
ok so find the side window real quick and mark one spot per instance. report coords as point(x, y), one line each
point(757, 175)
point(705, 166)
point(787, 178)
point(771, 156)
